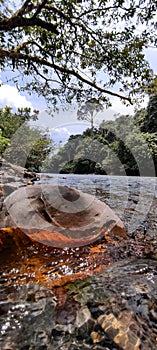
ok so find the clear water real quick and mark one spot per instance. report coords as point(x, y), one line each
point(130, 197)
point(27, 314)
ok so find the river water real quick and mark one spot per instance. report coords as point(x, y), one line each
point(130, 197)
point(124, 293)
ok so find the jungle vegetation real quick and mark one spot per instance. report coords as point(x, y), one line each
point(20, 143)
point(124, 146)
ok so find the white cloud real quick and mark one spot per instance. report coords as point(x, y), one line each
point(120, 108)
point(9, 95)
point(59, 134)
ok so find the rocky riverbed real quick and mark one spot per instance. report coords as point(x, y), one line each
point(102, 296)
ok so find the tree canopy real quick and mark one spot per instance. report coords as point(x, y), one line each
point(20, 143)
point(76, 48)
point(89, 109)
point(10, 121)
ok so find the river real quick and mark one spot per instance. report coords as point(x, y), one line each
point(113, 309)
point(130, 197)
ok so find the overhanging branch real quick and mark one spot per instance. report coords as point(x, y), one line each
point(7, 24)
point(39, 8)
point(42, 62)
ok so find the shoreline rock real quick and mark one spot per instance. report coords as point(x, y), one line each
point(59, 216)
point(13, 177)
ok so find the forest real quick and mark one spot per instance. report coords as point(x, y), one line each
point(20, 143)
point(124, 146)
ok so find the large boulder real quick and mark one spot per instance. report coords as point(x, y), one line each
point(60, 216)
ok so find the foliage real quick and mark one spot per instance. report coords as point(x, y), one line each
point(147, 118)
point(10, 122)
point(118, 147)
point(19, 142)
point(78, 49)
point(32, 151)
point(86, 110)
point(3, 142)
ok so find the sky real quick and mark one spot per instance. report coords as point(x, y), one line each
point(64, 123)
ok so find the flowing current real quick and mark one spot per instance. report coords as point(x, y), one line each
point(130, 197)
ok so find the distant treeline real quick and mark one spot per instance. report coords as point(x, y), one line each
point(125, 146)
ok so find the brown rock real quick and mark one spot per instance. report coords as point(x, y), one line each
point(83, 316)
point(119, 330)
point(60, 216)
point(96, 337)
point(84, 321)
point(12, 238)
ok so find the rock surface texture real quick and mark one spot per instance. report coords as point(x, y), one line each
point(60, 216)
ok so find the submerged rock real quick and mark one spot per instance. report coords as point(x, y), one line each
point(28, 319)
point(60, 216)
point(118, 329)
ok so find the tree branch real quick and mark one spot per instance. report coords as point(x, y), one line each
point(17, 55)
point(106, 9)
point(97, 9)
point(14, 22)
point(43, 77)
point(39, 8)
point(27, 6)
point(60, 13)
